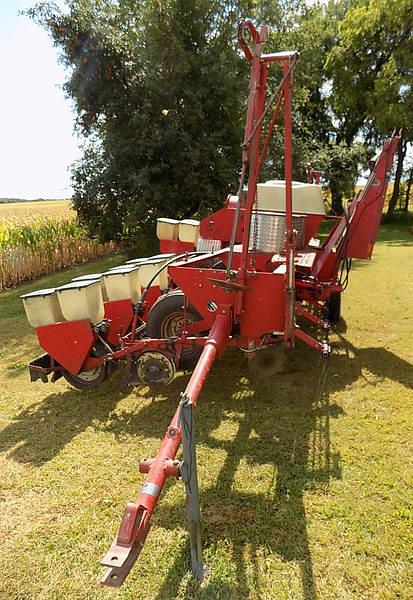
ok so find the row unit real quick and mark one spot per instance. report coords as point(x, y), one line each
point(186, 230)
point(84, 296)
point(307, 199)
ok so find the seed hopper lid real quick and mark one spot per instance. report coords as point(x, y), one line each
point(193, 222)
point(148, 259)
point(40, 293)
point(124, 267)
point(166, 220)
point(73, 285)
point(136, 261)
point(163, 256)
point(153, 261)
point(123, 270)
point(87, 277)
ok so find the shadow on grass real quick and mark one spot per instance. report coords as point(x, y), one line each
point(396, 234)
point(283, 421)
point(288, 430)
point(43, 429)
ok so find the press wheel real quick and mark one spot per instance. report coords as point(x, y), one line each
point(166, 319)
point(87, 380)
point(267, 362)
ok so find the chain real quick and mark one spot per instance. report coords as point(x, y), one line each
point(255, 229)
point(323, 378)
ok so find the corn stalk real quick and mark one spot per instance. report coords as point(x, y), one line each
point(39, 247)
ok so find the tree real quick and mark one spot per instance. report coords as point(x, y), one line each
point(318, 135)
point(339, 164)
point(157, 91)
point(371, 68)
point(408, 190)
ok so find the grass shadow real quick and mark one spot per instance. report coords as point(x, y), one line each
point(283, 421)
point(39, 432)
point(290, 431)
point(396, 234)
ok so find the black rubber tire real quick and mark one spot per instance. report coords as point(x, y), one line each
point(163, 322)
point(334, 308)
point(87, 382)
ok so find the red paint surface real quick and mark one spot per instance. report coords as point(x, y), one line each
point(69, 342)
point(120, 315)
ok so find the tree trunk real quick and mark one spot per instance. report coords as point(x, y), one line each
point(401, 155)
point(409, 185)
point(336, 201)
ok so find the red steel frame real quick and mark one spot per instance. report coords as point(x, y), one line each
point(136, 519)
point(252, 305)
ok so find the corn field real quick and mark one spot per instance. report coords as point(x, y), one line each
point(40, 246)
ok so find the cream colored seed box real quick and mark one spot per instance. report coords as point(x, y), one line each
point(189, 231)
point(82, 300)
point(134, 261)
point(139, 261)
point(164, 257)
point(307, 197)
point(42, 307)
point(167, 229)
point(148, 270)
point(123, 283)
point(94, 277)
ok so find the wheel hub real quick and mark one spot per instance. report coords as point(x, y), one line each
point(154, 368)
point(90, 374)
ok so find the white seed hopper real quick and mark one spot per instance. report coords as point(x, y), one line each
point(123, 282)
point(189, 231)
point(167, 229)
point(81, 300)
point(148, 270)
point(42, 307)
point(94, 277)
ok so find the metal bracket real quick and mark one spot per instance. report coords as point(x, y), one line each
point(126, 547)
point(189, 475)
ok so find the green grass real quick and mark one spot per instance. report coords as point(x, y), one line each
point(302, 497)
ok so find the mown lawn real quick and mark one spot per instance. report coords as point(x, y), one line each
point(302, 496)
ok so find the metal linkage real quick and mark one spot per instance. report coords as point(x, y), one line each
point(355, 234)
point(135, 524)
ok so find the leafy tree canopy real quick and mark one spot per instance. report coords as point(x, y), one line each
point(157, 91)
point(160, 88)
point(371, 67)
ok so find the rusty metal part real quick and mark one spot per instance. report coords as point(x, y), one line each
point(229, 286)
point(154, 368)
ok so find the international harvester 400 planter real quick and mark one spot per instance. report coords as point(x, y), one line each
point(240, 277)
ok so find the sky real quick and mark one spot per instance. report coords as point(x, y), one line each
point(37, 141)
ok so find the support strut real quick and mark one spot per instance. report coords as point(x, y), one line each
point(190, 477)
